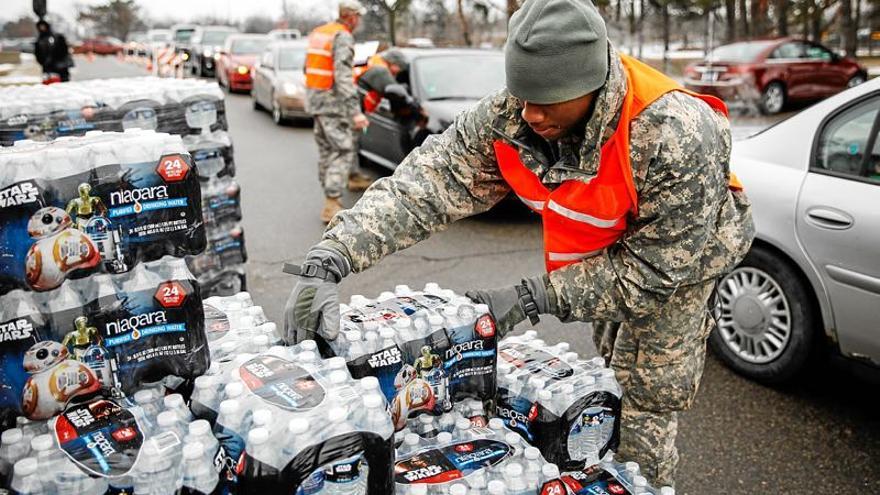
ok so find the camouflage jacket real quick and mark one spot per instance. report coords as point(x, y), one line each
point(342, 99)
point(689, 228)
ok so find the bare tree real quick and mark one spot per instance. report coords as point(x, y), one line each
point(393, 9)
point(743, 20)
point(730, 18)
point(782, 17)
point(114, 18)
point(848, 27)
point(465, 25)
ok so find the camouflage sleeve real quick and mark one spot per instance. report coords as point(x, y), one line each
point(449, 177)
point(343, 60)
point(680, 150)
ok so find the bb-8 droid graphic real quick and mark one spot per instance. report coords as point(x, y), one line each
point(55, 380)
point(58, 249)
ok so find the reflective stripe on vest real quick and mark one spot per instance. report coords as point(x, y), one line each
point(581, 219)
point(319, 56)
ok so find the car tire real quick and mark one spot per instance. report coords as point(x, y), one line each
point(855, 81)
point(773, 98)
point(277, 116)
point(256, 103)
point(761, 298)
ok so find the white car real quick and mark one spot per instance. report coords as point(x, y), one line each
point(812, 278)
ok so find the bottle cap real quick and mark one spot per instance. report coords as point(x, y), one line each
point(426, 419)
point(418, 489)
point(143, 396)
point(463, 424)
point(174, 401)
point(373, 401)
point(497, 487)
point(25, 467)
point(458, 489)
point(512, 439)
point(354, 335)
point(513, 469)
point(336, 363)
point(233, 390)
point(307, 357)
point(550, 471)
point(496, 424)
point(254, 311)
point(199, 427)
point(444, 437)
point(166, 419)
point(258, 436)
point(632, 467)
point(411, 439)
point(193, 450)
point(386, 333)
point(640, 481)
point(262, 417)
point(338, 377)
point(308, 345)
point(532, 453)
point(204, 382)
point(229, 406)
point(42, 442)
point(369, 383)
point(10, 436)
point(667, 490)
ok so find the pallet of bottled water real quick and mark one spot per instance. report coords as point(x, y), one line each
point(234, 325)
point(610, 477)
point(145, 444)
point(288, 421)
point(176, 106)
point(459, 453)
point(221, 268)
point(566, 406)
point(429, 348)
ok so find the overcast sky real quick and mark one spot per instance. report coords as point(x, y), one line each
point(176, 9)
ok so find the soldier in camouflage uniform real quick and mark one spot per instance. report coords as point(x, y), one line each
point(647, 292)
point(332, 100)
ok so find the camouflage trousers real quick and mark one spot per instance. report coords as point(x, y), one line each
point(334, 136)
point(659, 362)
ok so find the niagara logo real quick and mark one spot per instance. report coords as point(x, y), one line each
point(16, 330)
point(19, 194)
point(133, 323)
point(138, 195)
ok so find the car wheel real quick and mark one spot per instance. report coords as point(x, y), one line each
point(773, 98)
point(766, 326)
point(855, 81)
point(277, 116)
point(256, 103)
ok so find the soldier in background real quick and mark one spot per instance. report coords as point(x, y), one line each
point(641, 215)
point(333, 102)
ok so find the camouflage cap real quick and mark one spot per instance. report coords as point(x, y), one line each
point(352, 6)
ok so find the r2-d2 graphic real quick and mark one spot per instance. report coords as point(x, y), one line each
point(108, 240)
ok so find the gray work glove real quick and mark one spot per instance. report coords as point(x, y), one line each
point(511, 306)
point(313, 306)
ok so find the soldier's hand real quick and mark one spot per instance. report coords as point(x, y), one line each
point(361, 122)
point(511, 306)
point(313, 306)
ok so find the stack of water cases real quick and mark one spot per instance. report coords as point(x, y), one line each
point(460, 453)
point(287, 421)
point(146, 444)
point(429, 349)
point(235, 326)
point(190, 108)
point(96, 296)
point(567, 407)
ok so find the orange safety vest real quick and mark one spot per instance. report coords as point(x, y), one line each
point(373, 97)
point(319, 56)
point(581, 219)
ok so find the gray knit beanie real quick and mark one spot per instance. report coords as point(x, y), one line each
point(557, 50)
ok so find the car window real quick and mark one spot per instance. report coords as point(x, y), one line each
point(440, 76)
point(816, 52)
point(744, 51)
point(266, 60)
point(845, 138)
point(788, 51)
point(291, 58)
point(248, 46)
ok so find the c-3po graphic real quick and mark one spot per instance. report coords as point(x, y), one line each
point(84, 344)
point(90, 215)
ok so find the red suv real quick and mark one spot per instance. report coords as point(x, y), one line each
point(773, 72)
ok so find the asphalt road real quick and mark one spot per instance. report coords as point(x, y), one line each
point(821, 435)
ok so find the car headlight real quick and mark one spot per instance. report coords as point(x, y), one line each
point(292, 89)
point(185, 56)
point(207, 53)
point(242, 70)
point(216, 56)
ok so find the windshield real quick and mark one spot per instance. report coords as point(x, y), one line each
point(440, 77)
point(739, 52)
point(291, 58)
point(215, 37)
point(183, 35)
point(249, 46)
point(160, 36)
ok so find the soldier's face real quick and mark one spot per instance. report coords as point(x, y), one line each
point(551, 122)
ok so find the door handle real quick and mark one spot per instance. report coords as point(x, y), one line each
point(829, 218)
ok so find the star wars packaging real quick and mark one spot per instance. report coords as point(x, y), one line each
point(104, 335)
point(567, 407)
point(610, 478)
point(143, 445)
point(429, 349)
point(100, 203)
point(453, 454)
point(175, 106)
point(290, 422)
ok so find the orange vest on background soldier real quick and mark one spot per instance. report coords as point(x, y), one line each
point(319, 56)
point(581, 219)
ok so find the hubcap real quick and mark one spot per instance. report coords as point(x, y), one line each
point(773, 99)
point(754, 319)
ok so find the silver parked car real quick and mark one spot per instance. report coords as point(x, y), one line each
point(812, 278)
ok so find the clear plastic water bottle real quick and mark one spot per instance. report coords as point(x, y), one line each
point(155, 472)
point(259, 447)
point(200, 431)
point(169, 421)
point(458, 489)
point(175, 403)
point(199, 475)
point(148, 400)
point(532, 466)
point(411, 443)
point(13, 448)
point(549, 472)
point(25, 478)
point(497, 487)
point(376, 417)
point(298, 436)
